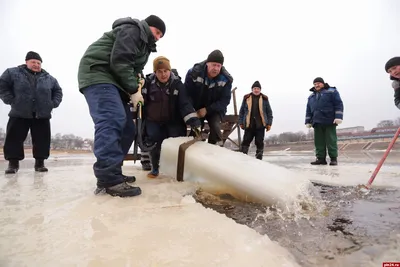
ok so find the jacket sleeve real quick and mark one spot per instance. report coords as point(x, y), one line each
point(241, 112)
point(6, 85)
point(186, 109)
point(338, 105)
point(221, 104)
point(123, 55)
point(56, 94)
point(308, 113)
point(189, 86)
point(396, 87)
point(269, 113)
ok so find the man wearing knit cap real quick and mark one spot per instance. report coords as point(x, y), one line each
point(167, 109)
point(110, 76)
point(324, 112)
point(255, 117)
point(209, 86)
point(393, 68)
point(32, 93)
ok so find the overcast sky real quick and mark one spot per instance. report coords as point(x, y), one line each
point(283, 44)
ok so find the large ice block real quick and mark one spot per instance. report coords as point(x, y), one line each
point(234, 172)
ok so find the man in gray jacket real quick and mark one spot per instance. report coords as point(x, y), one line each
point(32, 93)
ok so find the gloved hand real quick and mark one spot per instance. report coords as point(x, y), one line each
point(337, 121)
point(308, 125)
point(241, 126)
point(135, 99)
point(201, 113)
point(268, 128)
point(395, 85)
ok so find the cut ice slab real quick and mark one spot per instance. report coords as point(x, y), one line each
point(234, 172)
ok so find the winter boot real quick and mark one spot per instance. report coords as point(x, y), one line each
point(319, 161)
point(39, 166)
point(13, 166)
point(333, 162)
point(146, 166)
point(129, 179)
point(259, 154)
point(153, 174)
point(120, 190)
point(244, 149)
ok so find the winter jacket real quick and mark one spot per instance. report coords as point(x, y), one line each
point(324, 106)
point(212, 94)
point(118, 56)
point(29, 93)
point(396, 87)
point(168, 103)
point(264, 107)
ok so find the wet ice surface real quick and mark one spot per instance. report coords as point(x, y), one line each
point(54, 219)
point(341, 226)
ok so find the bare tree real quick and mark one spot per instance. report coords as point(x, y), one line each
point(385, 123)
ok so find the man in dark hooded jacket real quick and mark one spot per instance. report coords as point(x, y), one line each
point(109, 76)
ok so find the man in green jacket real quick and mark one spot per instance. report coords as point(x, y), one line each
point(109, 77)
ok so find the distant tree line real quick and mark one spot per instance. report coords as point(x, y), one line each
point(58, 141)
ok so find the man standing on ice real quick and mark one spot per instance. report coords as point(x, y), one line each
point(324, 112)
point(255, 117)
point(209, 86)
point(109, 77)
point(33, 94)
point(167, 109)
point(393, 68)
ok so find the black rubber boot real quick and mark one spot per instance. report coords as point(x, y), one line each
point(259, 154)
point(120, 190)
point(39, 166)
point(333, 162)
point(13, 166)
point(146, 166)
point(244, 149)
point(319, 161)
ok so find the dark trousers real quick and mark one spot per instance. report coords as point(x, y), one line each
point(214, 122)
point(325, 138)
point(114, 132)
point(257, 134)
point(17, 131)
point(158, 132)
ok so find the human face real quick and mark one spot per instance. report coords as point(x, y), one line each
point(395, 71)
point(318, 86)
point(163, 75)
point(34, 65)
point(156, 33)
point(213, 69)
point(256, 90)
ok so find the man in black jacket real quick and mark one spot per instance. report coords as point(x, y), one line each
point(32, 93)
point(209, 86)
point(393, 68)
point(109, 77)
point(167, 109)
point(255, 118)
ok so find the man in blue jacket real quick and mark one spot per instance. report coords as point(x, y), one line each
point(393, 68)
point(32, 94)
point(324, 112)
point(209, 86)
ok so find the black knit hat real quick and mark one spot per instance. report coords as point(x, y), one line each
point(256, 84)
point(318, 80)
point(395, 61)
point(156, 22)
point(216, 56)
point(33, 55)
